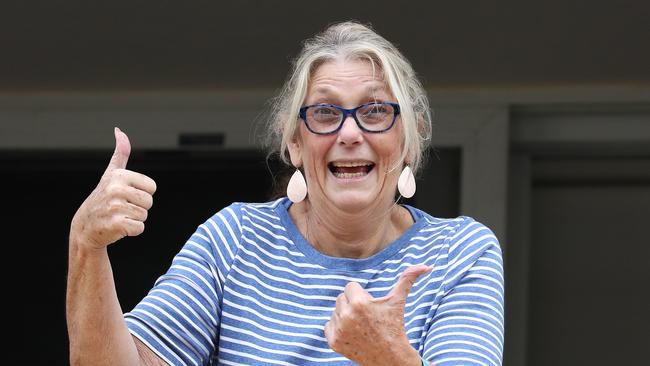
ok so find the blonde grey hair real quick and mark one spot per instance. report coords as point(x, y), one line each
point(351, 40)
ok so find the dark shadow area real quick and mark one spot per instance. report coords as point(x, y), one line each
point(48, 187)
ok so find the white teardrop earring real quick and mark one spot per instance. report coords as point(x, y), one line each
point(297, 187)
point(406, 183)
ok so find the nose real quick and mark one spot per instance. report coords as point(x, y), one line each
point(350, 133)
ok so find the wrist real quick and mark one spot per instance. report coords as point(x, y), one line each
point(415, 359)
point(80, 246)
point(80, 242)
point(406, 355)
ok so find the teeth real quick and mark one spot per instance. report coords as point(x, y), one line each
point(349, 175)
point(350, 165)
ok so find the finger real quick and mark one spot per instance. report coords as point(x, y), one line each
point(122, 151)
point(138, 197)
point(341, 301)
point(406, 281)
point(328, 330)
point(355, 294)
point(139, 181)
point(136, 213)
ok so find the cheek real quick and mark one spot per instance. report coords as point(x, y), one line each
point(388, 150)
point(315, 153)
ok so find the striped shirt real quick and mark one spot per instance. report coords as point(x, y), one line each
point(248, 289)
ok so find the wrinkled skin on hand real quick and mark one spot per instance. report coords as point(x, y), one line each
point(118, 206)
point(370, 331)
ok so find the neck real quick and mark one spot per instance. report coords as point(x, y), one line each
point(338, 233)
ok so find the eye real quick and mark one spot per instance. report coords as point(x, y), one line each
point(324, 111)
point(378, 108)
point(324, 114)
point(376, 111)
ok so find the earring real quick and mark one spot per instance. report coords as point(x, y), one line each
point(406, 183)
point(297, 187)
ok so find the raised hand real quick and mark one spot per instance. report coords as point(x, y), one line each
point(118, 206)
point(370, 331)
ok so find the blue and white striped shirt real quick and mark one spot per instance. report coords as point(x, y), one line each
point(248, 289)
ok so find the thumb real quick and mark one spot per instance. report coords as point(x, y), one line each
point(406, 281)
point(122, 151)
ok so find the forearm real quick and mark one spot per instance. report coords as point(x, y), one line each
point(96, 328)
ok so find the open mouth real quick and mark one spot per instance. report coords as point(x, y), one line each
point(349, 170)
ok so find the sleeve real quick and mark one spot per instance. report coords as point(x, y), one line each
point(179, 318)
point(468, 326)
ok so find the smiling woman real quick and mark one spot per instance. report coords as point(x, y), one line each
point(350, 170)
point(336, 273)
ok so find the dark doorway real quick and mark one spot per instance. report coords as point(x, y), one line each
point(589, 261)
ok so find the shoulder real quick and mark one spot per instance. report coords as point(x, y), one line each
point(459, 233)
point(463, 240)
point(239, 216)
point(454, 231)
point(471, 239)
point(237, 211)
point(473, 251)
point(221, 236)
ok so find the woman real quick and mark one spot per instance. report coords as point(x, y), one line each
point(336, 273)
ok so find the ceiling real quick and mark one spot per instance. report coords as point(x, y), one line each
point(145, 45)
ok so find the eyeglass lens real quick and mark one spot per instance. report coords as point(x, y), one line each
point(372, 117)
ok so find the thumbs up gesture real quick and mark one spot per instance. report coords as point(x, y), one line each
point(370, 331)
point(119, 204)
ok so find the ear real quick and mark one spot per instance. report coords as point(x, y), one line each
point(295, 151)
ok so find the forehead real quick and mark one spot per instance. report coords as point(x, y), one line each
point(342, 75)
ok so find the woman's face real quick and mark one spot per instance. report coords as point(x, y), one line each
point(350, 169)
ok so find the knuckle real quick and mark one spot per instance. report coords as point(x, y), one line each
point(116, 224)
point(113, 206)
point(334, 344)
point(107, 176)
point(119, 172)
point(326, 329)
point(349, 313)
point(358, 305)
point(335, 340)
point(115, 189)
point(332, 340)
point(339, 299)
point(110, 188)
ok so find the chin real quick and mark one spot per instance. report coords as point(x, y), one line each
point(354, 201)
point(356, 194)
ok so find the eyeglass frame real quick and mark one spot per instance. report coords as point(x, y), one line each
point(302, 113)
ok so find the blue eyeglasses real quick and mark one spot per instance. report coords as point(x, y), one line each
point(325, 119)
